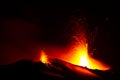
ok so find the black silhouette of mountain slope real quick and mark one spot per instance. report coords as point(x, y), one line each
point(54, 70)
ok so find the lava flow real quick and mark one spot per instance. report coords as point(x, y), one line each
point(78, 55)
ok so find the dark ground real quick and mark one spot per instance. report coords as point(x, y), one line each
point(55, 70)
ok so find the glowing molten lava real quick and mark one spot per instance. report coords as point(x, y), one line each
point(43, 57)
point(78, 55)
point(82, 50)
point(81, 57)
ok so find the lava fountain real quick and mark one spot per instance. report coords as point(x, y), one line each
point(77, 53)
point(80, 56)
point(43, 57)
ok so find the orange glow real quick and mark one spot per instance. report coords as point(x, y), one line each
point(78, 69)
point(43, 57)
point(80, 56)
point(87, 60)
point(77, 54)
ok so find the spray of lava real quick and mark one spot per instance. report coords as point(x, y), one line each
point(80, 55)
point(78, 52)
point(43, 57)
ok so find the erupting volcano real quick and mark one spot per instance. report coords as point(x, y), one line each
point(79, 55)
point(78, 51)
point(85, 59)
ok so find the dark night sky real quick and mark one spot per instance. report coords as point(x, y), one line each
point(51, 20)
